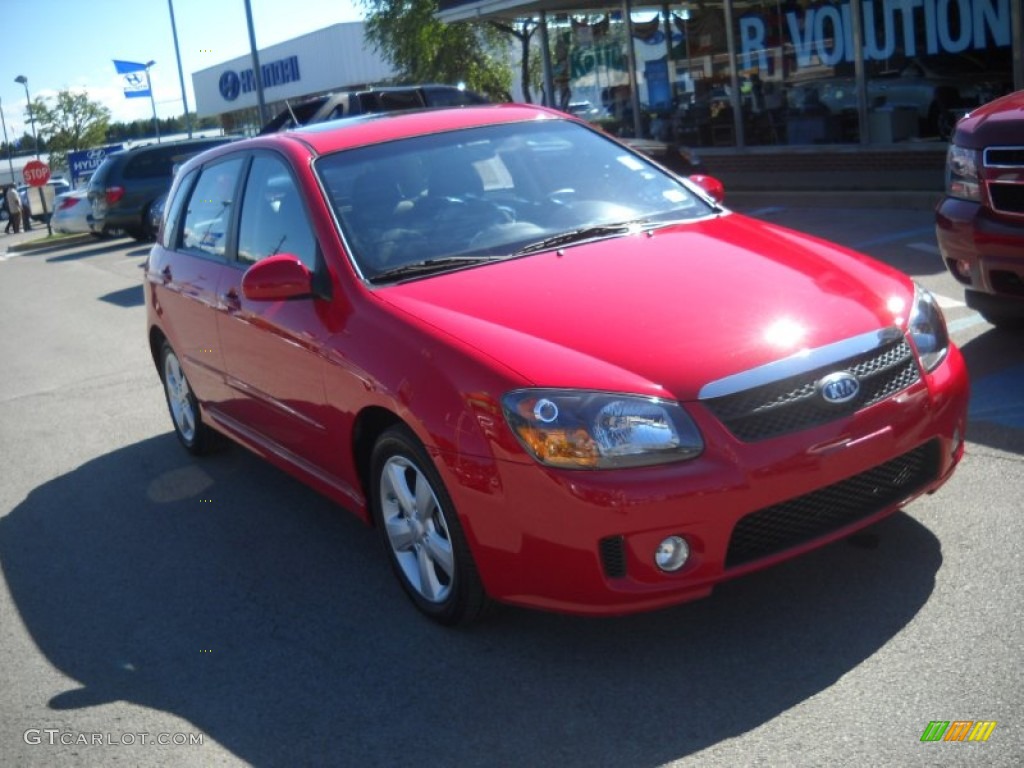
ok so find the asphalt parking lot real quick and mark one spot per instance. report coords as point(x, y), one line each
point(149, 597)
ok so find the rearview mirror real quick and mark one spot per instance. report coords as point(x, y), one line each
point(277, 278)
point(711, 185)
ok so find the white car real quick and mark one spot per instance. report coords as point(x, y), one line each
point(71, 212)
point(59, 186)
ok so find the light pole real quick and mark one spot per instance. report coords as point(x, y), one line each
point(152, 101)
point(10, 162)
point(28, 101)
point(257, 73)
point(181, 76)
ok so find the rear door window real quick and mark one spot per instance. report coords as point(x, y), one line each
point(210, 209)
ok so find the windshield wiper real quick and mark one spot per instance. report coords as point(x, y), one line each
point(428, 266)
point(577, 235)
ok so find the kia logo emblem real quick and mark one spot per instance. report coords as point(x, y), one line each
point(840, 387)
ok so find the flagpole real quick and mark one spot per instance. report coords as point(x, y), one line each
point(152, 101)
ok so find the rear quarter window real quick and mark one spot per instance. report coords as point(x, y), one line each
point(390, 101)
point(451, 97)
point(101, 174)
point(160, 162)
point(174, 209)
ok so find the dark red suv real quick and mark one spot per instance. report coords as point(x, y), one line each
point(980, 221)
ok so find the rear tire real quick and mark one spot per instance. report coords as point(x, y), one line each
point(421, 533)
point(186, 416)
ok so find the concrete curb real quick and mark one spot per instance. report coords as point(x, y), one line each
point(47, 243)
point(884, 199)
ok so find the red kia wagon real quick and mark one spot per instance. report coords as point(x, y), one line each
point(548, 371)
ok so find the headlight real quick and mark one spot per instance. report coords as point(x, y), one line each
point(927, 329)
point(575, 429)
point(962, 173)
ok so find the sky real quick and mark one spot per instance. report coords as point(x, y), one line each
point(71, 44)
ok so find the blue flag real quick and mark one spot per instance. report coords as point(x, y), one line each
point(123, 67)
point(134, 78)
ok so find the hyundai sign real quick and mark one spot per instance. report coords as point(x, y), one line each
point(279, 72)
point(85, 162)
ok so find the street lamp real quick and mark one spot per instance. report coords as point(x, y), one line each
point(152, 101)
point(28, 101)
point(181, 76)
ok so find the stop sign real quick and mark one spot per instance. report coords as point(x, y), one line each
point(36, 173)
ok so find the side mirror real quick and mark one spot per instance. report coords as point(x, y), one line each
point(277, 278)
point(711, 185)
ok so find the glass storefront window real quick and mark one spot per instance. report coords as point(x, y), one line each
point(925, 63)
point(926, 66)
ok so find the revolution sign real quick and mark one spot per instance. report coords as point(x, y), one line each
point(826, 31)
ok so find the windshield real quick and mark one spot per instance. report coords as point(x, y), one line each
point(450, 200)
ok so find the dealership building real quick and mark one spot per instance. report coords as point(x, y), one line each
point(758, 86)
point(330, 59)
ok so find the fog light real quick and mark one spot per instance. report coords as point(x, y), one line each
point(672, 554)
point(963, 268)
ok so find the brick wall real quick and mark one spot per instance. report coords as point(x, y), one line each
point(909, 167)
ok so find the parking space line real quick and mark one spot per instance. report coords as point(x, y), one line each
point(964, 323)
point(931, 248)
point(765, 211)
point(894, 237)
point(947, 303)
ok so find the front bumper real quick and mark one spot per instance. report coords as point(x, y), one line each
point(984, 253)
point(583, 542)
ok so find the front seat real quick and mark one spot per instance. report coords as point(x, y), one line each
point(378, 215)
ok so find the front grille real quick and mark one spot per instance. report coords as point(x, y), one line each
point(1006, 197)
point(794, 522)
point(793, 403)
point(1004, 157)
point(613, 556)
point(1007, 283)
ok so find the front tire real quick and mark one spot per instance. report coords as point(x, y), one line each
point(188, 422)
point(1004, 322)
point(421, 532)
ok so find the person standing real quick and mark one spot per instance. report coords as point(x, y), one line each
point(13, 208)
point(26, 211)
point(3, 209)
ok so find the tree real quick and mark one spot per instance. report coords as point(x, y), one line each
point(522, 30)
point(425, 50)
point(72, 123)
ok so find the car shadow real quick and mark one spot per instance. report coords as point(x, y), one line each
point(126, 297)
point(85, 253)
point(228, 594)
point(995, 360)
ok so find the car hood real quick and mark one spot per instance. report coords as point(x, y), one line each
point(998, 122)
point(660, 314)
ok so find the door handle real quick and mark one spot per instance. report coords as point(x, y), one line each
point(231, 301)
